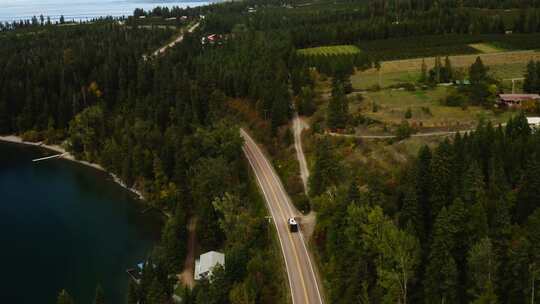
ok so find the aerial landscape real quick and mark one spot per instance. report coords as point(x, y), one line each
point(265, 151)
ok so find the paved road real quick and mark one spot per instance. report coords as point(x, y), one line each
point(301, 274)
point(298, 126)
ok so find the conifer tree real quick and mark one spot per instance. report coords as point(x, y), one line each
point(531, 78)
point(326, 169)
point(100, 295)
point(441, 279)
point(64, 298)
point(477, 72)
point(442, 183)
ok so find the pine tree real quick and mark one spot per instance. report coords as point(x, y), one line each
point(412, 214)
point(64, 298)
point(477, 72)
point(100, 295)
point(132, 294)
point(353, 194)
point(438, 67)
point(326, 169)
point(449, 72)
point(531, 78)
point(442, 182)
point(423, 185)
point(482, 265)
point(474, 186)
point(441, 279)
point(423, 71)
point(529, 190)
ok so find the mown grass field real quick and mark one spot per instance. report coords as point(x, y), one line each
point(335, 50)
point(427, 110)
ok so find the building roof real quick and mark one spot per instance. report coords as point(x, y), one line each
point(206, 262)
point(533, 120)
point(518, 97)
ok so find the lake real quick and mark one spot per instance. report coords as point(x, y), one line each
point(11, 10)
point(64, 225)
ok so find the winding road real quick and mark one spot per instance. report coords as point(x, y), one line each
point(300, 269)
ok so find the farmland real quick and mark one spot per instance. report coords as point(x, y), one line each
point(430, 45)
point(503, 65)
point(335, 50)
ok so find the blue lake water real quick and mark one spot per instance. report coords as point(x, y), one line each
point(64, 225)
point(80, 9)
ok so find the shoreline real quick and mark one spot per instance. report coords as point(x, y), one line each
point(68, 156)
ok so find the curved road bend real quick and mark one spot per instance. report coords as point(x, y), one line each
point(300, 269)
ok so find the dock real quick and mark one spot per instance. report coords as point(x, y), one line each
point(49, 157)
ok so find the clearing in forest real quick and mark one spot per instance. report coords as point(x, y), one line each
point(334, 50)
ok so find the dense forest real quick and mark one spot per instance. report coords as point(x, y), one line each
point(459, 224)
point(168, 126)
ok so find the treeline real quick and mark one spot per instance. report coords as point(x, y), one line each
point(460, 223)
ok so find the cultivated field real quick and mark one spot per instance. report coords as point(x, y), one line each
point(334, 50)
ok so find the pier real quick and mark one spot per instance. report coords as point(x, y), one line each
point(49, 157)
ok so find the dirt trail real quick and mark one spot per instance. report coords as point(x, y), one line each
point(298, 126)
point(186, 277)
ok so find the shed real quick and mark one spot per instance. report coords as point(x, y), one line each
point(206, 263)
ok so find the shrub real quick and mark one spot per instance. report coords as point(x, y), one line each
point(455, 99)
point(32, 136)
point(408, 113)
point(404, 130)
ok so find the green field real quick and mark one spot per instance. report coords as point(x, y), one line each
point(427, 110)
point(335, 50)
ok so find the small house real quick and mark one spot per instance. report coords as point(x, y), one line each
point(534, 122)
point(515, 100)
point(205, 264)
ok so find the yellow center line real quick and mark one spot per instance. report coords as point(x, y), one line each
point(288, 234)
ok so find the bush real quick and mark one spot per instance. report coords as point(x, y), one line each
point(408, 113)
point(32, 136)
point(375, 108)
point(455, 99)
point(302, 203)
point(427, 111)
point(404, 130)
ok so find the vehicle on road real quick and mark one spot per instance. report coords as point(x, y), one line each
point(293, 225)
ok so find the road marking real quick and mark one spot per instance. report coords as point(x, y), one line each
point(286, 199)
point(277, 200)
point(275, 223)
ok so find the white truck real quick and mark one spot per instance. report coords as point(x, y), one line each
point(293, 225)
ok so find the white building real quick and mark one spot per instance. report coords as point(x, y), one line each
point(534, 122)
point(206, 263)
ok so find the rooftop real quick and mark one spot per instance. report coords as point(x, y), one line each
point(518, 97)
point(206, 262)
